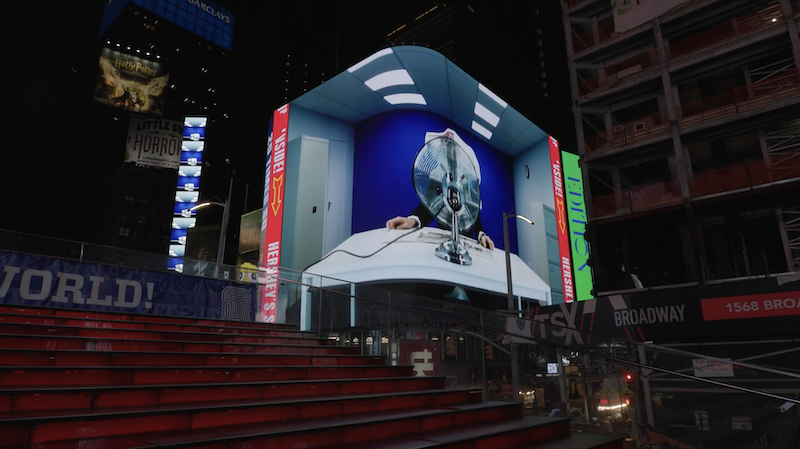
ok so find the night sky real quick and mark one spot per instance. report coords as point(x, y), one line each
point(58, 144)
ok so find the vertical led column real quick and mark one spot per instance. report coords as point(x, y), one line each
point(188, 188)
point(561, 221)
point(272, 218)
point(576, 215)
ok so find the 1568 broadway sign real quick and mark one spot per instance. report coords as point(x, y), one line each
point(751, 306)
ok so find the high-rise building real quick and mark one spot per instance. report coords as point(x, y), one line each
point(688, 117)
point(135, 209)
point(187, 46)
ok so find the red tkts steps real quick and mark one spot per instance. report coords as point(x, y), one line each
point(72, 379)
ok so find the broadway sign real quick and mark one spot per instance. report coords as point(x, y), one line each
point(670, 316)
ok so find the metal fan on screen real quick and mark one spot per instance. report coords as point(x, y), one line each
point(447, 183)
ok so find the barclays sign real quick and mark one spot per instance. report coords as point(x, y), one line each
point(201, 17)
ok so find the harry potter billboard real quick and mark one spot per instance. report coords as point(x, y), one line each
point(132, 83)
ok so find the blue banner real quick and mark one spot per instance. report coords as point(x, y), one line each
point(29, 280)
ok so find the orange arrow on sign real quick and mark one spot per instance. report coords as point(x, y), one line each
point(277, 197)
point(562, 221)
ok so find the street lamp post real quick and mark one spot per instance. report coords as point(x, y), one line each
point(511, 303)
point(223, 228)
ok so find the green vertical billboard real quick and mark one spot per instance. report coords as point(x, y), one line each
point(576, 217)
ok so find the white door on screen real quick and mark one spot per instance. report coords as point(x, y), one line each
point(311, 202)
point(337, 212)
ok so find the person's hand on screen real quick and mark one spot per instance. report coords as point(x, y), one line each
point(401, 223)
point(487, 242)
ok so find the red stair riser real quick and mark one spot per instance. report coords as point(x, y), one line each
point(125, 339)
point(15, 435)
point(59, 431)
point(497, 414)
point(121, 317)
point(520, 437)
point(33, 358)
point(170, 396)
point(258, 374)
point(95, 319)
point(466, 417)
point(319, 439)
point(204, 420)
point(154, 376)
point(101, 426)
point(24, 342)
point(382, 431)
point(155, 327)
point(437, 422)
point(65, 378)
point(31, 402)
point(351, 435)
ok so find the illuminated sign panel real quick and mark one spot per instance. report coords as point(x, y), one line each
point(188, 188)
point(561, 221)
point(272, 220)
point(576, 214)
point(132, 83)
point(154, 142)
point(201, 17)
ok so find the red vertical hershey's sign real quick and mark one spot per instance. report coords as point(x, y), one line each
point(271, 251)
point(561, 221)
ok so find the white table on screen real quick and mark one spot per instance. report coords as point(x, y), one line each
point(412, 258)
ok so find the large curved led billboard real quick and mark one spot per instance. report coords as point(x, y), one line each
point(369, 174)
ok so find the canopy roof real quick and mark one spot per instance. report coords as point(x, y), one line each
point(418, 78)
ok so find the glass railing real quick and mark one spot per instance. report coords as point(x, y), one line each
point(614, 73)
point(648, 393)
point(735, 177)
point(639, 198)
point(738, 100)
point(20, 242)
point(595, 35)
point(741, 99)
point(632, 131)
point(744, 175)
point(727, 30)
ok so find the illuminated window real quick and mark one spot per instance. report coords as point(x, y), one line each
point(701, 420)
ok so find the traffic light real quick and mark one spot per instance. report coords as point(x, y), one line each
point(489, 352)
point(629, 379)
